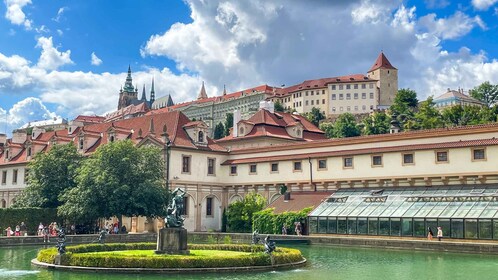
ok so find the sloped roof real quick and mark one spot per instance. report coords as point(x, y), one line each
point(453, 94)
point(89, 119)
point(298, 201)
point(381, 62)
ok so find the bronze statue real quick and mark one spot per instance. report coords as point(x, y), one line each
point(174, 218)
point(61, 241)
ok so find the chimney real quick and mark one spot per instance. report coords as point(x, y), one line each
point(236, 120)
point(19, 136)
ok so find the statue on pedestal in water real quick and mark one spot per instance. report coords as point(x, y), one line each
point(174, 218)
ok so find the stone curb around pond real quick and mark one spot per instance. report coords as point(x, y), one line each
point(170, 270)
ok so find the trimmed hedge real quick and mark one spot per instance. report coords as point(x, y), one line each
point(265, 221)
point(10, 217)
point(79, 256)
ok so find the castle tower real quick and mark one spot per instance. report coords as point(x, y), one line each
point(387, 80)
point(129, 93)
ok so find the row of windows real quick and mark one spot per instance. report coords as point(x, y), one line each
point(348, 108)
point(355, 86)
point(186, 165)
point(209, 206)
point(15, 173)
point(478, 154)
point(355, 96)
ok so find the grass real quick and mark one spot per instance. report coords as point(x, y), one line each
point(150, 253)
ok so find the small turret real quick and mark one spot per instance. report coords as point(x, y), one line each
point(152, 93)
point(144, 98)
point(202, 93)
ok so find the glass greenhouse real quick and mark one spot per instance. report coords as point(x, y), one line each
point(461, 211)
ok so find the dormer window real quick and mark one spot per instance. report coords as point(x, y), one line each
point(81, 144)
point(200, 136)
point(241, 131)
point(298, 132)
point(28, 151)
point(7, 154)
point(111, 138)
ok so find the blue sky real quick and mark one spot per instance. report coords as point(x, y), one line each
point(64, 58)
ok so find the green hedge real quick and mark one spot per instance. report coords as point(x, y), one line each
point(10, 217)
point(77, 256)
point(266, 221)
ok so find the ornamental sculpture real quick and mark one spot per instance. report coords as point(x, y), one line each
point(61, 241)
point(174, 218)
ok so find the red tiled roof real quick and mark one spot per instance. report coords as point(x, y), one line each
point(381, 62)
point(90, 119)
point(414, 147)
point(298, 201)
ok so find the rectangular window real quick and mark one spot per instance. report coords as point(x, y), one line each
point(341, 96)
point(356, 108)
point(441, 156)
point(233, 169)
point(478, 154)
point(323, 91)
point(323, 101)
point(363, 95)
point(348, 86)
point(371, 95)
point(306, 93)
point(363, 86)
point(306, 103)
point(300, 103)
point(408, 159)
point(347, 162)
point(4, 177)
point(348, 96)
point(298, 166)
point(211, 164)
point(185, 206)
point(356, 96)
point(209, 206)
point(274, 167)
point(341, 87)
point(14, 177)
point(371, 86)
point(322, 164)
point(364, 107)
point(311, 92)
point(355, 86)
point(186, 164)
point(377, 160)
point(333, 109)
point(333, 87)
point(312, 102)
point(252, 169)
point(333, 96)
point(349, 108)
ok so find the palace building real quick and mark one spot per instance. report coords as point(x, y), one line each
point(450, 168)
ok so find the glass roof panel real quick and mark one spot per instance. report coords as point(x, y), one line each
point(490, 210)
point(450, 209)
point(477, 209)
point(425, 210)
point(438, 209)
point(463, 210)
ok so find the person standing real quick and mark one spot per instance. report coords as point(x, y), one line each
point(40, 229)
point(284, 230)
point(18, 231)
point(24, 229)
point(439, 233)
point(430, 234)
point(9, 232)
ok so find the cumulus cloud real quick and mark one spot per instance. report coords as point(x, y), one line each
point(51, 58)
point(95, 60)
point(15, 13)
point(25, 111)
point(483, 4)
point(453, 27)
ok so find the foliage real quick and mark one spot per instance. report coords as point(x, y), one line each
point(32, 217)
point(428, 116)
point(315, 116)
point(345, 126)
point(82, 255)
point(278, 106)
point(485, 92)
point(404, 102)
point(267, 221)
point(228, 123)
point(118, 179)
point(328, 128)
point(376, 123)
point(224, 220)
point(227, 239)
point(219, 131)
point(240, 213)
point(50, 175)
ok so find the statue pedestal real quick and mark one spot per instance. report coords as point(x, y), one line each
point(172, 241)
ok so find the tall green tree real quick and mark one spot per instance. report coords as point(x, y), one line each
point(50, 175)
point(219, 131)
point(315, 116)
point(278, 106)
point(118, 179)
point(345, 126)
point(485, 92)
point(428, 116)
point(228, 123)
point(404, 106)
point(240, 213)
point(376, 123)
point(328, 128)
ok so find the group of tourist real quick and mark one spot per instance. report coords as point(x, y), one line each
point(19, 230)
point(298, 229)
point(430, 234)
point(113, 228)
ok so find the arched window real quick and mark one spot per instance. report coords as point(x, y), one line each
point(29, 151)
point(4, 203)
point(201, 136)
point(112, 138)
point(81, 143)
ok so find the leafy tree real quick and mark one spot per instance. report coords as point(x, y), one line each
point(219, 131)
point(376, 123)
point(228, 123)
point(428, 116)
point(315, 116)
point(118, 179)
point(404, 101)
point(278, 106)
point(345, 126)
point(240, 213)
point(485, 92)
point(328, 128)
point(50, 175)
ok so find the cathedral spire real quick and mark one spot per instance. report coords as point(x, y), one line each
point(202, 93)
point(144, 98)
point(129, 81)
point(152, 93)
point(224, 90)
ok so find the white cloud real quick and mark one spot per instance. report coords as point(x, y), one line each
point(404, 18)
point(15, 14)
point(453, 27)
point(95, 60)
point(61, 11)
point(369, 12)
point(60, 32)
point(483, 4)
point(27, 110)
point(436, 4)
point(51, 58)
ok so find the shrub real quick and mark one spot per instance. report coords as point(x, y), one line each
point(266, 221)
point(78, 256)
point(10, 217)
